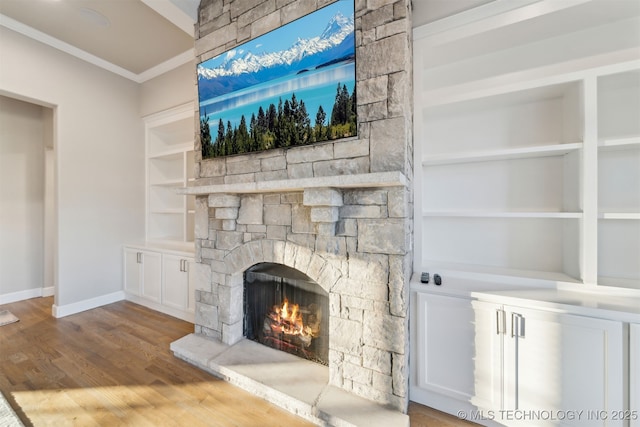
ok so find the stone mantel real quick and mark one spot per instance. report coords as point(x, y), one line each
point(367, 180)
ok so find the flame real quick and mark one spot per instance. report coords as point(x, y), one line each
point(289, 320)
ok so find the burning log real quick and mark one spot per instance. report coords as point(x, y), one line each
point(292, 324)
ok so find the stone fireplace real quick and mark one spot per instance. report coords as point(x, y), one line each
point(338, 214)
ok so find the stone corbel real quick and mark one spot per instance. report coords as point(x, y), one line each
point(325, 206)
point(226, 209)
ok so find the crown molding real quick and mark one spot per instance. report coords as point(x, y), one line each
point(34, 34)
point(498, 13)
point(55, 43)
point(168, 65)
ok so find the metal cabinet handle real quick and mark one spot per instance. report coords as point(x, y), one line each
point(517, 325)
point(500, 322)
point(139, 257)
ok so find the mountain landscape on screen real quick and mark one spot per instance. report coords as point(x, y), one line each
point(243, 68)
point(292, 86)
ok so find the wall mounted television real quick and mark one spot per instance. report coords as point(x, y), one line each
point(290, 87)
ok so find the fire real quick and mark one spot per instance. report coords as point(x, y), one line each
point(288, 319)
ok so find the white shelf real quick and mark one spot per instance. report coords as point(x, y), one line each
point(619, 282)
point(502, 154)
point(482, 214)
point(619, 215)
point(175, 153)
point(168, 183)
point(167, 211)
point(503, 243)
point(620, 143)
point(518, 277)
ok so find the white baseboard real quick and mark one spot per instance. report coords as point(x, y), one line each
point(22, 295)
point(66, 310)
point(179, 314)
point(48, 291)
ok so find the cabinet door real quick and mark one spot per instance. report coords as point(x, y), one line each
point(132, 271)
point(489, 327)
point(444, 350)
point(634, 374)
point(560, 362)
point(175, 282)
point(151, 275)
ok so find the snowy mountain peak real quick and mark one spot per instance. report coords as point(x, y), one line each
point(336, 30)
point(338, 24)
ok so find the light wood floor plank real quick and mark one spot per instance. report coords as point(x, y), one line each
point(112, 366)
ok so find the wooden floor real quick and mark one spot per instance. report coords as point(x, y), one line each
point(111, 366)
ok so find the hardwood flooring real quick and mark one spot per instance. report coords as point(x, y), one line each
point(111, 366)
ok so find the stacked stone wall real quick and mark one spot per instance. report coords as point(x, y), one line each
point(383, 86)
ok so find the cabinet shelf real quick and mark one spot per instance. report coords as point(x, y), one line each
point(484, 214)
point(490, 274)
point(504, 243)
point(167, 211)
point(173, 153)
point(502, 154)
point(177, 183)
point(619, 143)
point(619, 215)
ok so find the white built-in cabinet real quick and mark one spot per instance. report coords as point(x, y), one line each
point(158, 272)
point(527, 176)
point(161, 279)
point(549, 363)
point(143, 273)
point(178, 284)
point(634, 373)
point(444, 328)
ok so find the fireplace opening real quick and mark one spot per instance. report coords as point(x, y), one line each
point(286, 310)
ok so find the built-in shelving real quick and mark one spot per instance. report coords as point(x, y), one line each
point(508, 176)
point(170, 166)
point(619, 179)
point(499, 184)
point(527, 182)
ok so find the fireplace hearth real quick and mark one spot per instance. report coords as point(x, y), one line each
point(284, 309)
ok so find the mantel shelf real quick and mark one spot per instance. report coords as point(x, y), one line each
point(367, 180)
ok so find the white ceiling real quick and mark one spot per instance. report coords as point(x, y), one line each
point(140, 39)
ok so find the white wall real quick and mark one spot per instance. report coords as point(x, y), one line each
point(168, 90)
point(22, 190)
point(99, 150)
